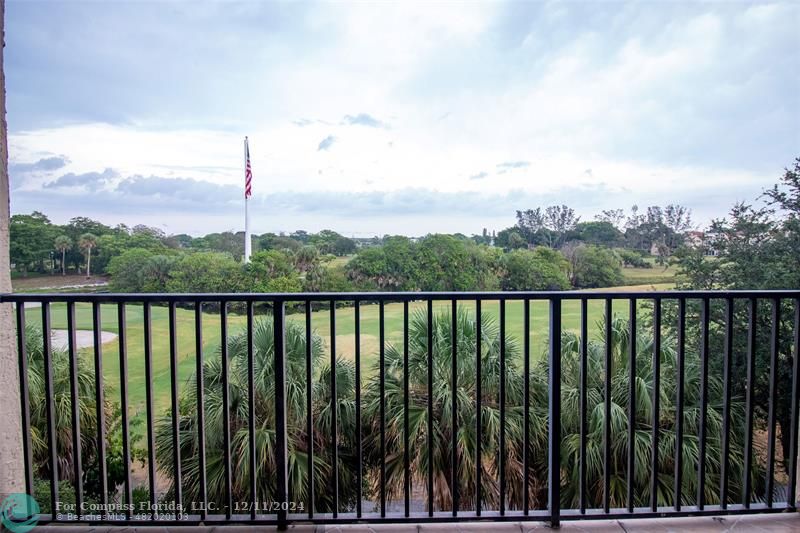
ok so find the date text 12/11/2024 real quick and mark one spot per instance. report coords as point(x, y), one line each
point(170, 511)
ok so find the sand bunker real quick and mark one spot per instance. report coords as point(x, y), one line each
point(84, 338)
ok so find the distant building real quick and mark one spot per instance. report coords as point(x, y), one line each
point(699, 240)
point(659, 249)
point(694, 239)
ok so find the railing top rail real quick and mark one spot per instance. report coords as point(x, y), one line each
point(390, 296)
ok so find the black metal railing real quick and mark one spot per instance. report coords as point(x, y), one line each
point(299, 437)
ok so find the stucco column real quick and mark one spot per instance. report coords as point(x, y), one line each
point(11, 466)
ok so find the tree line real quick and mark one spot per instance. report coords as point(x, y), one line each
point(656, 227)
point(85, 246)
point(548, 249)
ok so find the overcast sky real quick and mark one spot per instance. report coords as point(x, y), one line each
point(395, 118)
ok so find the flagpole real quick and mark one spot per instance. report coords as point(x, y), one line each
point(247, 241)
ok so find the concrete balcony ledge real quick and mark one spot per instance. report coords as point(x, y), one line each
point(774, 523)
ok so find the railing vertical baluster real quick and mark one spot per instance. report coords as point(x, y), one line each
point(430, 407)
point(454, 406)
point(685, 461)
point(310, 406)
point(705, 317)
point(382, 387)
point(281, 454)
point(583, 403)
point(631, 401)
point(176, 415)
point(773, 398)
point(751, 379)
point(100, 402)
point(226, 408)
point(502, 449)
point(359, 437)
point(50, 411)
point(656, 402)
point(727, 357)
point(201, 417)
point(406, 422)
point(679, 417)
point(123, 371)
point(607, 408)
point(335, 413)
point(554, 415)
point(24, 396)
point(148, 390)
point(251, 410)
point(791, 495)
point(526, 408)
point(478, 407)
point(72, 347)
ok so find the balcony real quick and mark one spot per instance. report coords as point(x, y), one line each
point(407, 408)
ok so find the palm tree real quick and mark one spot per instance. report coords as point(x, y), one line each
point(62, 244)
point(87, 243)
point(306, 257)
point(62, 402)
point(265, 422)
point(571, 443)
point(442, 415)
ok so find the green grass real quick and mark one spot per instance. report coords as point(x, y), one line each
point(340, 261)
point(655, 275)
point(135, 345)
point(345, 337)
point(644, 287)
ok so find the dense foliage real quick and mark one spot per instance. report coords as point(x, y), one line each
point(62, 416)
point(528, 256)
point(264, 391)
point(541, 269)
point(755, 247)
point(466, 440)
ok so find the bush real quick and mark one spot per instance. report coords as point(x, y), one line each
point(631, 258)
point(140, 270)
point(594, 267)
point(334, 279)
point(206, 272)
point(542, 269)
point(41, 493)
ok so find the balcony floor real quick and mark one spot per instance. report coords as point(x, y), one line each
point(773, 523)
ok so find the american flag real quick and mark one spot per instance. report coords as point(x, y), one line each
point(248, 173)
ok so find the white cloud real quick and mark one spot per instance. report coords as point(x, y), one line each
point(665, 101)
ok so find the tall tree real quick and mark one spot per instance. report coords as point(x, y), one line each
point(559, 219)
point(678, 218)
point(11, 473)
point(31, 240)
point(614, 217)
point(603, 233)
point(76, 227)
point(530, 220)
point(87, 243)
point(62, 244)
